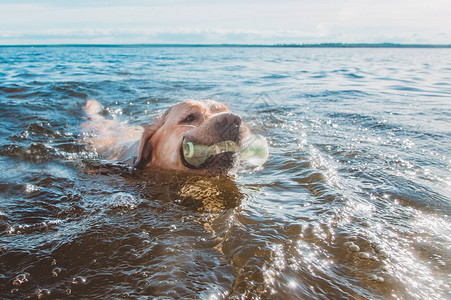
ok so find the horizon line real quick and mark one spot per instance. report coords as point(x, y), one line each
point(278, 45)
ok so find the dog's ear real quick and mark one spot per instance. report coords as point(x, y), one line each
point(145, 149)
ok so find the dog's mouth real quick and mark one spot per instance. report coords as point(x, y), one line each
point(217, 158)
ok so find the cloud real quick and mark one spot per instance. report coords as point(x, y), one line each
point(174, 35)
point(321, 34)
point(233, 21)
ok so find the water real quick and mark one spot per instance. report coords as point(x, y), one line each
point(353, 203)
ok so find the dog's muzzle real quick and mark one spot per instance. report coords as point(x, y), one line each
point(227, 126)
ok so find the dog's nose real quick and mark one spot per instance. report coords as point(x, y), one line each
point(228, 126)
point(228, 119)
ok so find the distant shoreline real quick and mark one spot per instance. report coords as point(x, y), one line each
point(320, 45)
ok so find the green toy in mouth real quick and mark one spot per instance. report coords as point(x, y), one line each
point(254, 151)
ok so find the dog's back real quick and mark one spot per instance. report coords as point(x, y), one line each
point(112, 140)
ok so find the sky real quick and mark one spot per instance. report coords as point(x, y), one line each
point(224, 22)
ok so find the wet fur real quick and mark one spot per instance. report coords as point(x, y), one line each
point(158, 145)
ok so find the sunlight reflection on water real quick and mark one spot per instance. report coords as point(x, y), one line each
point(353, 202)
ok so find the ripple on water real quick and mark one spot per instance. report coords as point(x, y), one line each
point(123, 200)
point(352, 203)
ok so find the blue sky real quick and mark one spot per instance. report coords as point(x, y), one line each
point(232, 21)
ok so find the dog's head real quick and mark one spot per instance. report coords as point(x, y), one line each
point(203, 122)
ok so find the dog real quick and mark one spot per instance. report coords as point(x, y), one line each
point(160, 145)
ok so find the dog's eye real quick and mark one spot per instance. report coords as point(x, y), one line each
point(190, 118)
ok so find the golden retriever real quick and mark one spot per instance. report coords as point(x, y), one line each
point(159, 145)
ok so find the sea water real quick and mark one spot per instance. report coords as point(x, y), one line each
point(352, 203)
